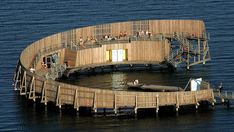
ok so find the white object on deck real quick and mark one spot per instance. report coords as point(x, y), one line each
point(196, 84)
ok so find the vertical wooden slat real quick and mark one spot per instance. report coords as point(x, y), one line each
point(115, 102)
point(23, 87)
point(16, 70)
point(58, 99)
point(18, 78)
point(44, 94)
point(136, 102)
point(157, 103)
point(76, 100)
point(32, 89)
point(151, 51)
point(177, 100)
point(95, 102)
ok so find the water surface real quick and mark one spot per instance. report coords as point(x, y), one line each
point(25, 21)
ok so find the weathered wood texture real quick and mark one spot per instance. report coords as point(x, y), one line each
point(78, 96)
point(67, 37)
point(137, 51)
point(60, 93)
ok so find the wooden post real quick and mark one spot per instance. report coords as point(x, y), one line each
point(115, 102)
point(135, 110)
point(58, 100)
point(177, 102)
point(188, 56)
point(213, 99)
point(76, 101)
point(44, 94)
point(32, 89)
point(23, 87)
point(18, 79)
point(199, 49)
point(204, 50)
point(15, 73)
point(197, 103)
point(95, 102)
point(157, 104)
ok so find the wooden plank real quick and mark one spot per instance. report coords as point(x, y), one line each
point(150, 52)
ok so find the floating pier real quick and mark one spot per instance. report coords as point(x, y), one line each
point(171, 43)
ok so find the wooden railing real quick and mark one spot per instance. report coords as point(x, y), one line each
point(61, 94)
point(38, 87)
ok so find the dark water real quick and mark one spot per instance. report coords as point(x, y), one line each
point(25, 21)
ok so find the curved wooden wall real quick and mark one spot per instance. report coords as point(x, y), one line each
point(35, 86)
point(65, 38)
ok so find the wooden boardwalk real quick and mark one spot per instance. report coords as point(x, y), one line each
point(149, 43)
point(224, 96)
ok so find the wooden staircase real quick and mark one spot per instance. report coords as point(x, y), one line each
point(188, 51)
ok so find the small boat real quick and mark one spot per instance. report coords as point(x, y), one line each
point(132, 85)
point(160, 88)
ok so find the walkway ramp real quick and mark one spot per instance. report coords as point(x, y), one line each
point(188, 50)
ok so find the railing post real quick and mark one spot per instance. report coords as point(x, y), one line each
point(17, 79)
point(212, 96)
point(76, 100)
point(115, 103)
point(157, 104)
point(199, 49)
point(135, 110)
point(188, 55)
point(197, 103)
point(23, 87)
point(58, 100)
point(177, 102)
point(16, 69)
point(44, 94)
point(94, 102)
point(32, 90)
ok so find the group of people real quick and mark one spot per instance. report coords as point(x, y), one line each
point(90, 40)
point(108, 37)
point(82, 42)
point(43, 65)
point(186, 35)
point(122, 34)
point(143, 33)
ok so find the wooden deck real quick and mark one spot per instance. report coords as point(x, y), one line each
point(224, 95)
point(140, 51)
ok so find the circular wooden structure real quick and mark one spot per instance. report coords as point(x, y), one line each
point(133, 42)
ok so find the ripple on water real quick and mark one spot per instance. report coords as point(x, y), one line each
point(23, 22)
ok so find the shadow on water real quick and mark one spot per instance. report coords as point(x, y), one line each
point(68, 118)
point(39, 108)
point(24, 22)
point(117, 79)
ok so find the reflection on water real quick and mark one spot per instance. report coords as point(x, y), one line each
point(51, 118)
point(23, 22)
point(118, 80)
